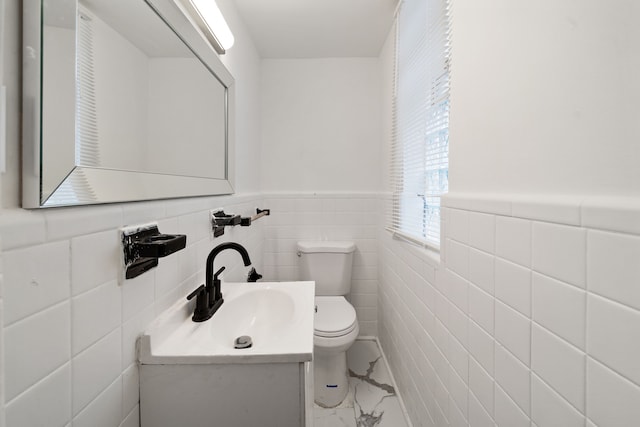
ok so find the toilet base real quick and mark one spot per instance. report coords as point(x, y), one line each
point(330, 378)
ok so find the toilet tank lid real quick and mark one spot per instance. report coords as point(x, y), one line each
point(323, 246)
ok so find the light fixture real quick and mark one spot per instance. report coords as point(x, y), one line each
point(207, 17)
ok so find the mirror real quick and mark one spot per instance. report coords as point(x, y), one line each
point(123, 100)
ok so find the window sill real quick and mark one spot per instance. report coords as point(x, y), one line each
point(424, 251)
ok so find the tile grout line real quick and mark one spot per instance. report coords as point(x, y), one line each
point(37, 383)
point(531, 330)
point(493, 305)
point(560, 395)
point(506, 392)
point(71, 370)
point(586, 319)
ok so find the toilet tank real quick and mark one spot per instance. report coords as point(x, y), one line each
point(328, 264)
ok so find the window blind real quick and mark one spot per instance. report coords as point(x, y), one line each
point(420, 153)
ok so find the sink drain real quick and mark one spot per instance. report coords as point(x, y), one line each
point(243, 342)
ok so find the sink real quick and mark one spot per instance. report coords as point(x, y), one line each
point(278, 316)
point(261, 314)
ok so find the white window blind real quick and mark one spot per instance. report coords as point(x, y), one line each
point(420, 155)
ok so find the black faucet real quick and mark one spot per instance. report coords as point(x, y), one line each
point(209, 296)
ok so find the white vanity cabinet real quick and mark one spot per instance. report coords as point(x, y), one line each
point(226, 395)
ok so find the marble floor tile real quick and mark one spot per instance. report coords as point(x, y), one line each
point(372, 400)
point(334, 417)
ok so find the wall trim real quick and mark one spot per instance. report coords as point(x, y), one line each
point(620, 214)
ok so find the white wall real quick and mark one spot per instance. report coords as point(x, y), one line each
point(243, 62)
point(321, 125)
point(386, 62)
point(545, 97)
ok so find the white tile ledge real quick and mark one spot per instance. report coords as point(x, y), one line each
point(621, 214)
point(322, 194)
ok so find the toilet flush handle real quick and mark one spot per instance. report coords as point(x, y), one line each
point(299, 254)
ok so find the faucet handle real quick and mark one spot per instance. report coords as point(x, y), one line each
point(197, 291)
point(217, 273)
point(253, 276)
point(201, 312)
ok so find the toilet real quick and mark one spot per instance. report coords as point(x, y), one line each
point(335, 324)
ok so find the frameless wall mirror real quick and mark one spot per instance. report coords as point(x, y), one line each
point(123, 100)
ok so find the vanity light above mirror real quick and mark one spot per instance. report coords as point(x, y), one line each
point(207, 18)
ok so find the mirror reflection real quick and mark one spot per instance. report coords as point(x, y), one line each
point(121, 91)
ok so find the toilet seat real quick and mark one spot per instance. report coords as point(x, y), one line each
point(334, 317)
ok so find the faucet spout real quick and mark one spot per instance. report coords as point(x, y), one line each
point(212, 281)
point(209, 296)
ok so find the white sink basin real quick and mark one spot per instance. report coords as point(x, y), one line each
point(278, 316)
point(263, 314)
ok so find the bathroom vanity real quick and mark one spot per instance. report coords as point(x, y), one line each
point(191, 374)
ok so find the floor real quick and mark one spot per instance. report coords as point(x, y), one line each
point(372, 400)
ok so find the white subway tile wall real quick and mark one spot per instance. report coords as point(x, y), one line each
point(513, 332)
point(612, 400)
point(35, 347)
point(512, 376)
point(539, 307)
point(530, 316)
point(613, 267)
point(613, 336)
point(559, 364)
point(560, 251)
point(69, 336)
point(39, 281)
point(52, 398)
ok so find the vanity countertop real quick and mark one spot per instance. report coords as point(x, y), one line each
point(278, 316)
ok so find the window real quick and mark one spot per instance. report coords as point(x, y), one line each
point(420, 156)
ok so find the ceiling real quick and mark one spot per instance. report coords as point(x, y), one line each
point(317, 28)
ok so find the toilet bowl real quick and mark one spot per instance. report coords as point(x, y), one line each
point(335, 323)
point(335, 330)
